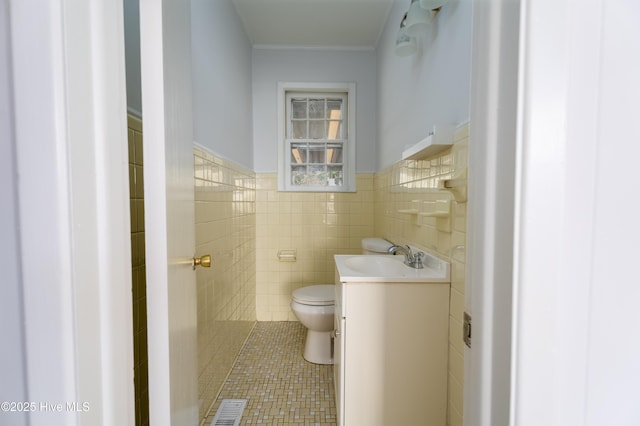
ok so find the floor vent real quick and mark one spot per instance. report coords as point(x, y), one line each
point(229, 413)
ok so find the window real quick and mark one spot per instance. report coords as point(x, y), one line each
point(316, 137)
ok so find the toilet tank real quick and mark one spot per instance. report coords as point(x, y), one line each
point(375, 246)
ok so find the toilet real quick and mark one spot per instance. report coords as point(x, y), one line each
point(314, 307)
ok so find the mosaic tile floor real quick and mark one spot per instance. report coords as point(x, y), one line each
point(280, 386)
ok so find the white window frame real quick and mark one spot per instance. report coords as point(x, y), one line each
point(349, 148)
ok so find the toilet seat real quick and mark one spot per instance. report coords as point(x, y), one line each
point(315, 295)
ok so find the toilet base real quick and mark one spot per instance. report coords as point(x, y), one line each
point(318, 347)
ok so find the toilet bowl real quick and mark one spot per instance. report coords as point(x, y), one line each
point(314, 306)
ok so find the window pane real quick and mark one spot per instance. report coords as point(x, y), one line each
point(299, 108)
point(335, 176)
point(334, 153)
point(316, 138)
point(316, 129)
point(298, 153)
point(316, 108)
point(334, 109)
point(299, 129)
point(334, 130)
point(299, 175)
point(317, 175)
point(317, 154)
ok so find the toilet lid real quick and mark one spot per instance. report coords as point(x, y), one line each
point(316, 295)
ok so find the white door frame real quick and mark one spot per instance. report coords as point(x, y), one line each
point(492, 176)
point(575, 348)
point(553, 209)
point(70, 142)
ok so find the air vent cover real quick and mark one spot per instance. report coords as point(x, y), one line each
point(229, 413)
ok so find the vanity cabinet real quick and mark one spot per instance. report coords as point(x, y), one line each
point(391, 353)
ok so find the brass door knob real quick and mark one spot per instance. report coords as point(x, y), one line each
point(204, 261)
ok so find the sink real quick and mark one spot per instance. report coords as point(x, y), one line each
point(383, 268)
point(378, 265)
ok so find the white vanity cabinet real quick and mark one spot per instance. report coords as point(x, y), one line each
point(391, 353)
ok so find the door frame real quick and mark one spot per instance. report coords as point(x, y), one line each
point(492, 194)
point(553, 225)
point(70, 142)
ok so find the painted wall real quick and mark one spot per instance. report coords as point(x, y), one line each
point(132, 56)
point(272, 66)
point(427, 88)
point(221, 67)
point(414, 93)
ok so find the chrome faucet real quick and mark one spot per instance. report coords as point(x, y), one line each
point(410, 259)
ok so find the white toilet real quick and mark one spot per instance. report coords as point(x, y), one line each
point(314, 307)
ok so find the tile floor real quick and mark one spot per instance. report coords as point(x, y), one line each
point(280, 386)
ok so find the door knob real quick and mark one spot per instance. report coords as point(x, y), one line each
point(204, 261)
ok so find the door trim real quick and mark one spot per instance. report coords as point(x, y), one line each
point(71, 150)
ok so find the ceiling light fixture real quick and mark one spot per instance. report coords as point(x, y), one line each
point(417, 19)
point(405, 44)
point(432, 4)
point(415, 22)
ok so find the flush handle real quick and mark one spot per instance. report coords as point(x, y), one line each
point(204, 261)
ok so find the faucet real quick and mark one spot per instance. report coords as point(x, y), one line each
point(410, 259)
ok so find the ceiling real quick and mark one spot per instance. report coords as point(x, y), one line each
point(346, 24)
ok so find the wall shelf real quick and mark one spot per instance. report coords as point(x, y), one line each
point(440, 210)
point(439, 139)
point(453, 183)
point(435, 214)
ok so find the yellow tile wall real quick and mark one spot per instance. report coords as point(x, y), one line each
point(405, 193)
point(317, 226)
point(225, 224)
point(138, 271)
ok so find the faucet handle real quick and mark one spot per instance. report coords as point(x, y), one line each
point(417, 260)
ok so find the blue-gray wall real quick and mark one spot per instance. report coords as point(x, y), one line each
point(399, 99)
point(316, 66)
point(430, 87)
point(222, 99)
point(132, 56)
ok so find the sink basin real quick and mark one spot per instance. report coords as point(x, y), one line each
point(381, 268)
point(378, 265)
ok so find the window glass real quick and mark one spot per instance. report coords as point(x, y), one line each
point(316, 140)
point(299, 108)
point(334, 153)
point(298, 153)
point(316, 108)
point(316, 129)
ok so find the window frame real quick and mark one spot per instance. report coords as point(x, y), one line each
point(349, 144)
